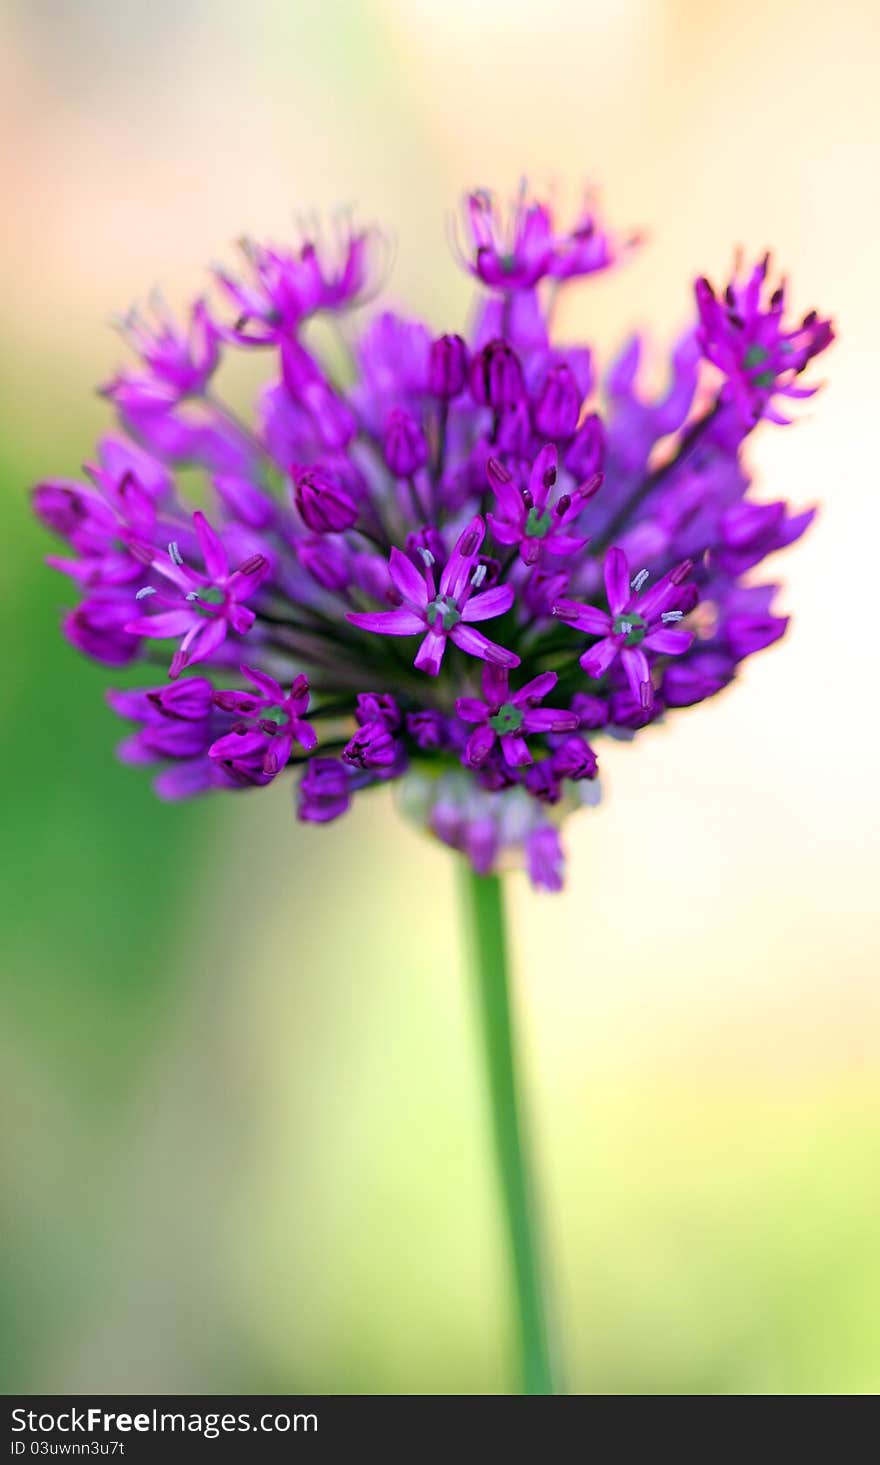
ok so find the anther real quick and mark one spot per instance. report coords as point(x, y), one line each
point(174, 553)
point(145, 592)
point(427, 557)
point(478, 576)
point(638, 581)
point(671, 615)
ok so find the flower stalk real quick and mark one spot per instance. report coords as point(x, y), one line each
point(483, 898)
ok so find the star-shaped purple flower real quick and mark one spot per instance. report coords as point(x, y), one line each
point(444, 612)
point(201, 622)
point(633, 625)
point(535, 518)
point(508, 716)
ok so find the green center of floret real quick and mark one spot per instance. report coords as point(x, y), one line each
point(537, 525)
point(442, 612)
point(754, 357)
point(631, 625)
point(508, 719)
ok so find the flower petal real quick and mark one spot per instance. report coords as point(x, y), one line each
point(429, 656)
point(549, 719)
point(476, 644)
point(638, 674)
point(407, 579)
point(458, 567)
point(479, 745)
point(668, 640)
point(401, 622)
point(617, 579)
point(597, 660)
point(490, 603)
point(213, 553)
point(168, 623)
point(583, 617)
point(515, 750)
point(534, 690)
point(471, 709)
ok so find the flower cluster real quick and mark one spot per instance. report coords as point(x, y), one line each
point(457, 562)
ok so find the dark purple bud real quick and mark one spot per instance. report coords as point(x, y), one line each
point(558, 406)
point(592, 711)
point(186, 701)
point(694, 678)
point(97, 628)
point(245, 500)
point(75, 512)
point(326, 562)
point(495, 773)
point(427, 729)
point(496, 377)
point(427, 538)
point(326, 508)
point(323, 791)
point(230, 700)
point(447, 367)
point(586, 455)
point(543, 783)
point(378, 707)
point(405, 445)
point(575, 759)
point(372, 746)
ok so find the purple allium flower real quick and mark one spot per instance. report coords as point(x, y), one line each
point(507, 717)
point(444, 611)
point(633, 625)
point(748, 342)
point(460, 479)
point(270, 736)
point(177, 362)
point(284, 288)
point(202, 622)
point(534, 517)
point(517, 252)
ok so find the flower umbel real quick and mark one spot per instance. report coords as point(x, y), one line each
point(457, 481)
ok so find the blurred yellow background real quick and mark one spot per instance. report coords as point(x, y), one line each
point(244, 1133)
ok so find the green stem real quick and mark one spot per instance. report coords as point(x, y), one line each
point(483, 895)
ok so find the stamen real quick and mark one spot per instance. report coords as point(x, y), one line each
point(174, 553)
point(671, 615)
point(192, 594)
point(638, 581)
point(478, 576)
point(427, 557)
point(145, 592)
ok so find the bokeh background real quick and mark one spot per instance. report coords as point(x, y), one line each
point(245, 1143)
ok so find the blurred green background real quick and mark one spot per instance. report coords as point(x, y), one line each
point(245, 1144)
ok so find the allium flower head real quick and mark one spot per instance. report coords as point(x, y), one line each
point(456, 570)
point(744, 335)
